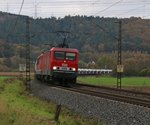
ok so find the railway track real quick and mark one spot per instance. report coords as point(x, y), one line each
point(137, 94)
point(126, 96)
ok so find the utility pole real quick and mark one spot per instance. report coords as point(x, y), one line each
point(119, 62)
point(7, 7)
point(35, 11)
point(27, 54)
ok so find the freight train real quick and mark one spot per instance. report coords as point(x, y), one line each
point(58, 64)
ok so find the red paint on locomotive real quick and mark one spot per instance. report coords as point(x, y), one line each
point(58, 64)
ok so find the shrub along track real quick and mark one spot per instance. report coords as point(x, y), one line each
point(122, 95)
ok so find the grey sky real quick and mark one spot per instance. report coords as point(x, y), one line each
point(60, 8)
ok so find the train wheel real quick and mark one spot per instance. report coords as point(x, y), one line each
point(62, 82)
point(74, 80)
point(43, 79)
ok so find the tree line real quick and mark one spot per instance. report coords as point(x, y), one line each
point(94, 37)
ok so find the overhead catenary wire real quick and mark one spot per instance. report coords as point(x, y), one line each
point(76, 2)
point(72, 4)
point(103, 29)
point(89, 2)
point(108, 7)
point(10, 30)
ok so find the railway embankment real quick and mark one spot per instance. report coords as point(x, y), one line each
point(111, 112)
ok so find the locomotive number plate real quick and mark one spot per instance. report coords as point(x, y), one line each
point(64, 68)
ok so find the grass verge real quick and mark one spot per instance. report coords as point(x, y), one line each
point(17, 107)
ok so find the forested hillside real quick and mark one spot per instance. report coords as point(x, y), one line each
point(95, 37)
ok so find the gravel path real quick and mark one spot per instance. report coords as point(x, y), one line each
point(110, 112)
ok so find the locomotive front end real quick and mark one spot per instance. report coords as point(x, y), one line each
point(64, 65)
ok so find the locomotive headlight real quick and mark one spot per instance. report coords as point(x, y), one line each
point(74, 69)
point(54, 67)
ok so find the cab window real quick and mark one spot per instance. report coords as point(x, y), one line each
point(70, 56)
point(59, 55)
point(65, 55)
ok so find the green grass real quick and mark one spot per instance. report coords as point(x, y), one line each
point(111, 81)
point(17, 107)
point(2, 78)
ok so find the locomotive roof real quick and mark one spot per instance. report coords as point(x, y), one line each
point(64, 49)
point(59, 49)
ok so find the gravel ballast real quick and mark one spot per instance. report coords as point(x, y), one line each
point(108, 111)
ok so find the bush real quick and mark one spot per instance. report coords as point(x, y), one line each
point(145, 72)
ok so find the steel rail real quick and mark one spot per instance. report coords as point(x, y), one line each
point(116, 90)
point(106, 95)
point(112, 96)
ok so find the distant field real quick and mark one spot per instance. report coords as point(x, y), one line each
point(111, 81)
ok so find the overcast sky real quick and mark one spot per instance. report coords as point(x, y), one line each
point(61, 8)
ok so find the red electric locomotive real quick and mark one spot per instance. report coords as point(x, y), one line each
point(58, 64)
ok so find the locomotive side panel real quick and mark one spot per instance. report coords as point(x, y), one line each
point(38, 67)
point(48, 62)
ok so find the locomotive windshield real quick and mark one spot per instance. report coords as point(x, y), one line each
point(65, 55)
point(59, 55)
point(70, 56)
